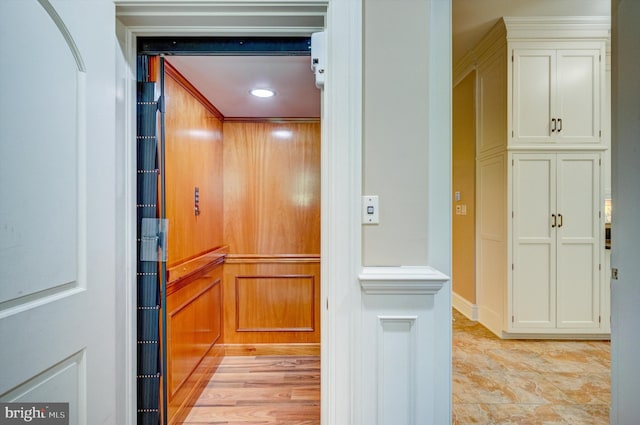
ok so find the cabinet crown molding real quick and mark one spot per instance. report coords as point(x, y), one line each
point(527, 28)
point(557, 27)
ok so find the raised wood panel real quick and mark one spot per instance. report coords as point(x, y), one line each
point(272, 187)
point(270, 302)
point(194, 325)
point(192, 328)
point(180, 405)
point(193, 159)
point(275, 303)
point(396, 369)
point(492, 104)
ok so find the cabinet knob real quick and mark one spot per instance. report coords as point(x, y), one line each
point(559, 220)
point(553, 128)
point(559, 125)
point(553, 222)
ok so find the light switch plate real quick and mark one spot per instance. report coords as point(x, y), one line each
point(370, 209)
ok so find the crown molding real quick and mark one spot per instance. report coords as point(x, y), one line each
point(193, 17)
point(467, 64)
point(557, 27)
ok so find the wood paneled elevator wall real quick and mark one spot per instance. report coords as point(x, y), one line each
point(272, 227)
point(244, 264)
point(193, 150)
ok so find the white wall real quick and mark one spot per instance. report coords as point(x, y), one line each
point(625, 292)
point(406, 141)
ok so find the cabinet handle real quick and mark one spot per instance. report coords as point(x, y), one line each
point(560, 218)
point(559, 125)
point(553, 121)
point(553, 223)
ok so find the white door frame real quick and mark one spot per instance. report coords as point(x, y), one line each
point(340, 168)
point(625, 288)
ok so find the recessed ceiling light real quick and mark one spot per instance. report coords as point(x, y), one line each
point(282, 134)
point(262, 92)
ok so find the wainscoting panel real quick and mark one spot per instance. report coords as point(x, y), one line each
point(275, 303)
point(192, 328)
point(271, 299)
point(405, 346)
point(396, 367)
point(194, 325)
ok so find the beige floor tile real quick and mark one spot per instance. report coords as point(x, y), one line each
point(524, 414)
point(584, 414)
point(464, 414)
point(582, 388)
point(523, 382)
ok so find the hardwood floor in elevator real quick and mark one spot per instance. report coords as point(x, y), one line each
point(261, 390)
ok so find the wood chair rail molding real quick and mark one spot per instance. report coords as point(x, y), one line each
point(179, 275)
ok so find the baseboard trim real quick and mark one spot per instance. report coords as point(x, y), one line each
point(465, 307)
point(272, 349)
point(557, 336)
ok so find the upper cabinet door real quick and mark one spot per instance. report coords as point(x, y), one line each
point(578, 96)
point(533, 95)
point(556, 96)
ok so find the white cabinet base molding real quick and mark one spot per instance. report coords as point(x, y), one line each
point(406, 346)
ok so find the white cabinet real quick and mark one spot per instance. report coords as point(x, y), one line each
point(556, 94)
point(556, 262)
point(541, 94)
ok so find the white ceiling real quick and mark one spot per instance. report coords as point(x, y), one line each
point(226, 80)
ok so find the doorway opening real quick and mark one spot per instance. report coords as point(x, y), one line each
point(240, 187)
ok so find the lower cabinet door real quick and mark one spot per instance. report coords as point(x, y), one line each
point(534, 243)
point(556, 241)
point(578, 241)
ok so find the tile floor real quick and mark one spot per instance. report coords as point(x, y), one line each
point(527, 381)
